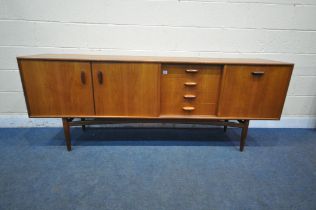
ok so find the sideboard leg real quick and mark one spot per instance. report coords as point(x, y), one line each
point(225, 126)
point(83, 126)
point(67, 133)
point(244, 135)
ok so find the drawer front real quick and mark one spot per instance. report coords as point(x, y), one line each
point(255, 92)
point(189, 89)
point(188, 108)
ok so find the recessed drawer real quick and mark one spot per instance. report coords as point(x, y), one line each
point(187, 86)
point(189, 71)
point(190, 94)
point(189, 108)
point(206, 87)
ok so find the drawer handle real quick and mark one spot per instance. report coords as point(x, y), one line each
point(83, 77)
point(190, 84)
point(191, 70)
point(257, 73)
point(189, 96)
point(100, 77)
point(188, 108)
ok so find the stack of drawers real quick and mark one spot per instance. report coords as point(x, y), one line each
point(190, 89)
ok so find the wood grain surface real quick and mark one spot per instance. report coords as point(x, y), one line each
point(57, 87)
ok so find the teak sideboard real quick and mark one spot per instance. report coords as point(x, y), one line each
point(93, 89)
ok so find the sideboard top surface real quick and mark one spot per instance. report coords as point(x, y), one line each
point(155, 59)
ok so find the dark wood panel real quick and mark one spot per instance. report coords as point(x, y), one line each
point(57, 88)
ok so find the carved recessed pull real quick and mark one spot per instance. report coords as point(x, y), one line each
point(257, 73)
point(188, 108)
point(83, 77)
point(189, 96)
point(191, 70)
point(190, 83)
point(100, 77)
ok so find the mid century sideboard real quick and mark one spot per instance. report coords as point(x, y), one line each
point(92, 89)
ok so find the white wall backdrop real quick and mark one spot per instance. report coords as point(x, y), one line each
point(275, 29)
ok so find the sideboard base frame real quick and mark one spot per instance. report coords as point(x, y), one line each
point(68, 122)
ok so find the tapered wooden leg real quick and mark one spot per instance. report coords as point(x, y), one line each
point(244, 135)
point(67, 133)
point(225, 126)
point(83, 126)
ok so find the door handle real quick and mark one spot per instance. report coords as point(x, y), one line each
point(188, 108)
point(189, 96)
point(100, 77)
point(83, 77)
point(257, 73)
point(190, 83)
point(191, 70)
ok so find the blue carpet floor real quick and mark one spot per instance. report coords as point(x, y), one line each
point(157, 168)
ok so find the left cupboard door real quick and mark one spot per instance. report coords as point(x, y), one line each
point(57, 88)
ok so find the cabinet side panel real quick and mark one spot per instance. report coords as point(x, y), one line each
point(23, 86)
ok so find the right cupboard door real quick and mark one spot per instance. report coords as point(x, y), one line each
point(254, 91)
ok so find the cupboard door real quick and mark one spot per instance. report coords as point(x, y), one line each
point(256, 92)
point(56, 88)
point(126, 89)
